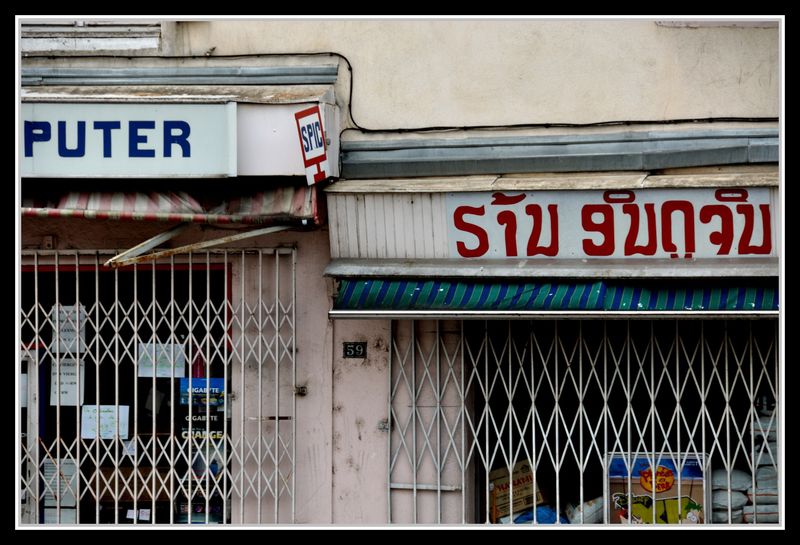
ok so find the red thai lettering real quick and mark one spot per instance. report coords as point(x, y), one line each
point(604, 227)
point(748, 211)
point(631, 248)
point(476, 230)
point(508, 219)
point(534, 248)
point(501, 199)
point(724, 236)
point(619, 196)
point(667, 209)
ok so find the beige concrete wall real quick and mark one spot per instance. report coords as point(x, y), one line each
point(360, 403)
point(412, 73)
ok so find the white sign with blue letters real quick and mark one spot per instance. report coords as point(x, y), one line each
point(127, 140)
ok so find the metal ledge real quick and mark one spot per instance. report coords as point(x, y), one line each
point(204, 75)
point(551, 268)
point(625, 151)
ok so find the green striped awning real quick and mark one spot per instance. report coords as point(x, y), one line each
point(380, 294)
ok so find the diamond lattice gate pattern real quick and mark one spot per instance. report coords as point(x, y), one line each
point(580, 412)
point(158, 393)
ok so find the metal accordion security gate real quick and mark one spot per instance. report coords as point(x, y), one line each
point(572, 408)
point(159, 393)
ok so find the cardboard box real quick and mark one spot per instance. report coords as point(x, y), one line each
point(499, 493)
point(644, 482)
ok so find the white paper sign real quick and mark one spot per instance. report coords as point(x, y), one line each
point(131, 514)
point(164, 354)
point(59, 482)
point(23, 390)
point(108, 421)
point(69, 325)
point(129, 448)
point(144, 514)
point(68, 516)
point(67, 370)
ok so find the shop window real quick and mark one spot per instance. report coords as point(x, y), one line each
point(598, 422)
point(142, 385)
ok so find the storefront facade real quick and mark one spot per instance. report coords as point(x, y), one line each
point(171, 251)
point(535, 329)
point(273, 274)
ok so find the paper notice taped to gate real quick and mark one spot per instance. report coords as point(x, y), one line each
point(60, 483)
point(69, 329)
point(111, 418)
point(64, 379)
point(170, 359)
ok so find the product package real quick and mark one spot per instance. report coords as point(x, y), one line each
point(525, 493)
point(664, 495)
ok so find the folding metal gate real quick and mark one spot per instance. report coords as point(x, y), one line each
point(158, 393)
point(574, 399)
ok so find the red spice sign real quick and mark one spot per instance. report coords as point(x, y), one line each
point(652, 223)
point(664, 479)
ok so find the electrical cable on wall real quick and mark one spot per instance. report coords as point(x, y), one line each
point(443, 128)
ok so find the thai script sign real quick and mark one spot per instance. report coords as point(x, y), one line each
point(652, 223)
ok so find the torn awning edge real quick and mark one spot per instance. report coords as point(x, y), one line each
point(281, 204)
point(221, 219)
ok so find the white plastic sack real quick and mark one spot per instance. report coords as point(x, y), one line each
point(720, 499)
point(763, 513)
point(765, 454)
point(767, 477)
point(765, 425)
point(740, 480)
point(763, 496)
point(721, 516)
point(592, 512)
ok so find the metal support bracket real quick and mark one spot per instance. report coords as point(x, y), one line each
point(117, 262)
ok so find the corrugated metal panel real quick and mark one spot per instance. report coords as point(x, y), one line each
point(630, 150)
point(373, 226)
point(208, 94)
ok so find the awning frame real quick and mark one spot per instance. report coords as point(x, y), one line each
point(120, 261)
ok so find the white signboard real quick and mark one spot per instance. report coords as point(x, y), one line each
point(108, 421)
point(127, 140)
point(67, 370)
point(653, 223)
point(165, 354)
point(269, 142)
point(69, 325)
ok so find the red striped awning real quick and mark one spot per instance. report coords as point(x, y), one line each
point(278, 204)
